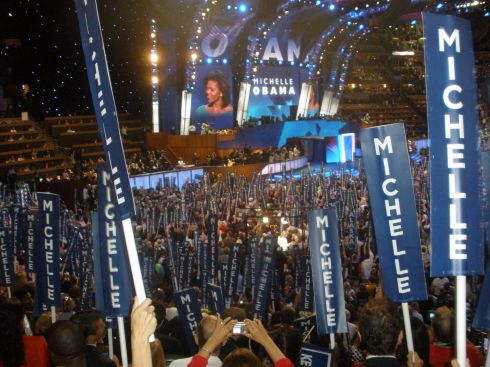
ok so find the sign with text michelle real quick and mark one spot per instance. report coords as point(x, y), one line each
point(113, 262)
point(7, 273)
point(326, 267)
point(189, 315)
point(456, 238)
point(47, 241)
point(104, 105)
point(215, 299)
point(387, 164)
point(261, 300)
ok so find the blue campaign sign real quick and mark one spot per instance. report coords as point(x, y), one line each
point(215, 298)
point(113, 262)
point(263, 289)
point(456, 237)
point(314, 355)
point(232, 277)
point(7, 273)
point(104, 105)
point(482, 316)
point(307, 326)
point(387, 164)
point(189, 314)
point(47, 239)
point(326, 267)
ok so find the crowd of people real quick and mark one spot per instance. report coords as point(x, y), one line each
point(169, 215)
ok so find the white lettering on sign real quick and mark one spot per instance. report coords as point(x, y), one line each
point(393, 213)
point(454, 134)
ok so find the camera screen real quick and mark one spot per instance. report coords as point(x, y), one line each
point(239, 328)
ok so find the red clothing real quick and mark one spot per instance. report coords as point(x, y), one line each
point(35, 351)
point(440, 356)
point(199, 361)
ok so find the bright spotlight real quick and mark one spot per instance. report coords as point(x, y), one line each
point(265, 220)
point(242, 8)
point(331, 7)
point(193, 56)
point(209, 60)
point(225, 61)
point(154, 80)
point(439, 6)
point(153, 57)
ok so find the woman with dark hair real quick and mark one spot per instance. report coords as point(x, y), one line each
point(421, 343)
point(217, 111)
point(17, 349)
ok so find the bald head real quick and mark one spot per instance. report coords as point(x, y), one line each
point(205, 329)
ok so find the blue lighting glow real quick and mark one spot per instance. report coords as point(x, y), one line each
point(413, 22)
point(318, 2)
point(225, 61)
point(349, 22)
point(361, 26)
point(439, 6)
point(209, 60)
point(331, 7)
point(228, 7)
point(486, 14)
point(242, 8)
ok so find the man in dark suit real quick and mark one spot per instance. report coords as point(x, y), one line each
point(93, 328)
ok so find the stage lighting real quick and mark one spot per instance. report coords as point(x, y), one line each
point(486, 14)
point(242, 8)
point(331, 7)
point(154, 80)
point(209, 60)
point(439, 6)
point(413, 22)
point(153, 58)
point(361, 26)
point(225, 61)
point(228, 7)
point(265, 220)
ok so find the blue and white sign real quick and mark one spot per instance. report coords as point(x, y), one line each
point(48, 243)
point(387, 164)
point(314, 355)
point(7, 273)
point(189, 314)
point(326, 269)
point(232, 277)
point(263, 289)
point(456, 237)
point(104, 105)
point(215, 299)
point(114, 265)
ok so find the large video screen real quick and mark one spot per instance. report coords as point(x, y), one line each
point(212, 98)
point(275, 92)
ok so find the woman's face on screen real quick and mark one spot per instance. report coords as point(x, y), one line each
point(213, 92)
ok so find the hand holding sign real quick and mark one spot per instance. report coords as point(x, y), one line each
point(143, 320)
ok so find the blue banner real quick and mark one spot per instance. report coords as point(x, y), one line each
point(113, 262)
point(216, 300)
point(305, 325)
point(86, 270)
point(47, 240)
point(389, 179)
point(104, 105)
point(29, 238)
point(314, 355)
point(263, 290)
point(306, 285)
point(7, 272)
point(326, 269)
point(232, 277)
point(16, 237)
point(189, 315)
point(456, 237)
point(213, 247)
point(482, 316)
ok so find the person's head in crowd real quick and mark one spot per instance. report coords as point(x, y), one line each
point(205, 330)
point(66, 344)
point(235, 313)
point(379, 328)
point(421, 342)
point(289, 341)
point(11, 345)
point(241, 357)
point(23, 294)
point(91, 324)
point(288, 315)
point(43, 323)
point(275, 318)
point(443, 325)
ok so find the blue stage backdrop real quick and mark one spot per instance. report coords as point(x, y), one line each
point(456, 237)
